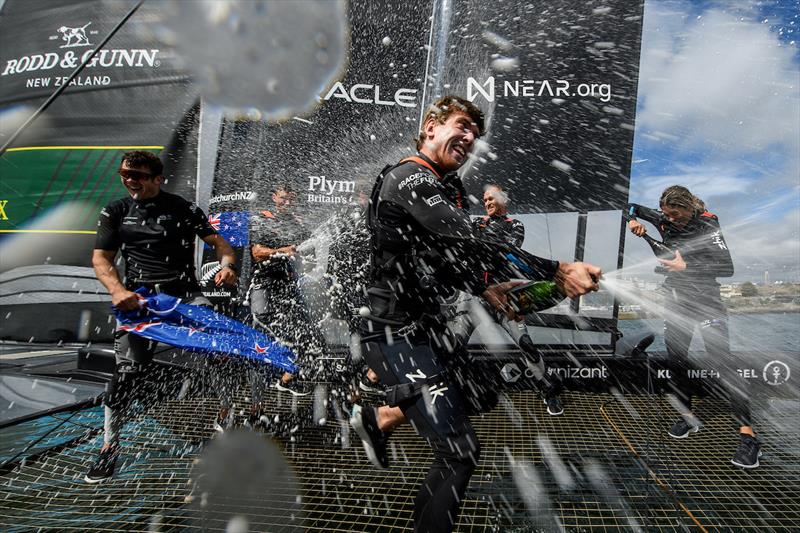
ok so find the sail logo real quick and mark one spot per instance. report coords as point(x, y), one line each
point(323, 190)
point(365, 93)
point(74, 36)
point(554, 89)
point(239, 196)
point(486, 89)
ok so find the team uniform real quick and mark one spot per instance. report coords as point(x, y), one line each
point(510, 230)
point(156, 238)
point(423, 247)
point(276, 302)
point(692, 299)
point(502, 228)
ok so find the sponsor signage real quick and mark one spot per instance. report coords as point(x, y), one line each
point(365, 93)
point(553, 89)
point(776, 373)
point(511, 372)
point(130, 95)
point(322, 190)
point(562, 105)
point(582, 372)
point(238, 196)
point(40, 56)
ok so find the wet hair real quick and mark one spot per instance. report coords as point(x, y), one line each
point(700, 205)
point(141, 158)
point(680, 196)
point(502, 197)
point(445, 106)
point(283, 186)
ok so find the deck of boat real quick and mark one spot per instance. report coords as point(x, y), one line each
point(605, 465)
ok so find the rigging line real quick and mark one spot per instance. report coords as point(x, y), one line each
point(72, 76)
point(549, 244)
point(40, 439)
point(79, 424)
point(659, 482)
point(427, 64)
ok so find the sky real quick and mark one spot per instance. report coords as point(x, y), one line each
point(719, 112)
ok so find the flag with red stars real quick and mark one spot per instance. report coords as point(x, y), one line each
point(166, 319)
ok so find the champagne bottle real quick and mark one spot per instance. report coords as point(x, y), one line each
point(661, 251)
point(658, 248)
point(534, 296)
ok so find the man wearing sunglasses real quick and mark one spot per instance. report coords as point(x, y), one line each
point(155, 232)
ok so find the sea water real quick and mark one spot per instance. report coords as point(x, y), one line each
point(768, 332)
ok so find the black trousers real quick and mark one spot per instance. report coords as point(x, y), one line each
point(137, 378)
point(686, 311)
point(441, 415)
point(280, 308)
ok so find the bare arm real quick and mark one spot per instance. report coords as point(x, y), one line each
point(261, 252)
point(226, 257)
point(577, 279)
point(637, 228)
point(108, 275)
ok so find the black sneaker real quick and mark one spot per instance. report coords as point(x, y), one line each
point(747, 453)
point(373, 439)
point(293, 386)
point(103, 467)
point(682, 428)
point(554, 406)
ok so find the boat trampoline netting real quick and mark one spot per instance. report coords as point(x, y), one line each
point(602, 466)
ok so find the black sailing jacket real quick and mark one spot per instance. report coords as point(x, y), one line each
point(422, 242)
point(701, 244)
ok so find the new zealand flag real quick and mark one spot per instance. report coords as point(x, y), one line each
point(233, 225)
point(199, 329)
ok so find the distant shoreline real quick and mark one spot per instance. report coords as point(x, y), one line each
point(755, 310)
point(763, 310)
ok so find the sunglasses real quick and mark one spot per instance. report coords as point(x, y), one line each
point(134, 174)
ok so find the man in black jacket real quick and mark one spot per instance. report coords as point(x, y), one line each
point(276, 301)
point(155, 232)
point(497, 225)
point(692, 300)
point(422, 243)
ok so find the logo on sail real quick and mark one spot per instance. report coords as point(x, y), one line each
point(74, 36)
point(776, 373)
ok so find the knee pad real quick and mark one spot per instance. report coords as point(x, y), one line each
point(120, 388)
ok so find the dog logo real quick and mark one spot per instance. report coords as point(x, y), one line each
point(74, 36)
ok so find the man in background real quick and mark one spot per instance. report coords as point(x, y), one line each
point(497, 225)
point(276, 302)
